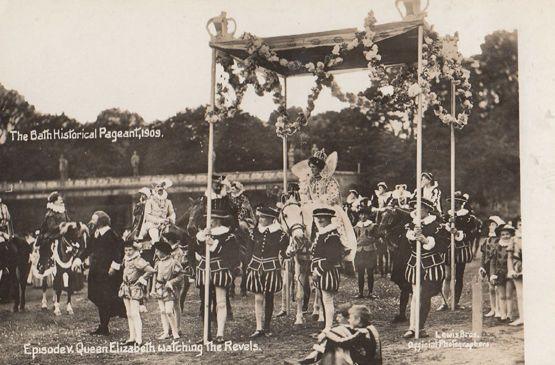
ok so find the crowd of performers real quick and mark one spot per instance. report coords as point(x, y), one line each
point(157, 259)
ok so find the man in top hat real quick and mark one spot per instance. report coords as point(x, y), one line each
point(430, 190)
point(466, 229)
point(434, 242)
point(159, 212)
point(105, 252)
point(6, 225)
point(224, 257)
point(327, 254)
point(264, 270)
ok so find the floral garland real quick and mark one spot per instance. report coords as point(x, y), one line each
point(391, 92)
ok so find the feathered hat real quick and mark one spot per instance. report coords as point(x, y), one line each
point(164, 184)
point(164, 246)
point(53, 197)
point(460, 198)
point(398, 186)
point(429, 176)
point(318, 159)
point(383, 184)
point(240, 189)
point(145, 191)
point(505, 227)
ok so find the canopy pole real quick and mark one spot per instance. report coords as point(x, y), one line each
point(209, 201)
point(453, 215)
point(418, 188)
point(287, 291)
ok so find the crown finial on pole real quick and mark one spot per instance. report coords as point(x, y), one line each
point(221, 23)
point(413, 9)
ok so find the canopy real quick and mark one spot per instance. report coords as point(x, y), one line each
point(397, 42)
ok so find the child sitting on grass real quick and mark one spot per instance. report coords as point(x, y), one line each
point(354, 342)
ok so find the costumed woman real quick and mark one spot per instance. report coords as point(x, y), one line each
point(49, 232)
point(430, 191)
point(319, 189)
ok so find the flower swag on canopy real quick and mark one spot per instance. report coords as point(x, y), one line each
point(392, 91)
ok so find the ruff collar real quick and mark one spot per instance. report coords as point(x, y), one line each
point(460, 212)
point(326, 229)
point(164, 196)
point(57, 208)
point(133, 256)
point(429, 219)
point(366, 223)
point(274, 227)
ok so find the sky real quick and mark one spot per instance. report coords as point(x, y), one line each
point(152, 57)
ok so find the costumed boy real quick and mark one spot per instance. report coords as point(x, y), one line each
point(264, 270)
point(136, 272)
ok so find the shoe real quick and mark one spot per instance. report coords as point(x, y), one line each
point(164, 336)
point(518, 322)
point(100, 331)
point(281, 314)
point(409, 334)
point(423, 334)
point(127, 343)
point(491, 313)
point(460, 307)
point(360, 296)
point(399, 319)
point(219, 340)
point(257, 334)
point(372, 296)
point(176, 336)
point(442, 308)
point(69, 309)
point(201, 341)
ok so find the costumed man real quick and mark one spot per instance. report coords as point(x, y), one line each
point(378, 203)
point(224, 257)
point(105, 253)
point(434, 240)
point(138, 214)
point(379, 199)
point(6, 225)
point(430, 191)
point(246, 220)
point(327, 254)
point(159, 212)
point(466, 230)
point(318, 189)
point(400, 197)
point(264, 270)
point(352, 206)
point(49, 232)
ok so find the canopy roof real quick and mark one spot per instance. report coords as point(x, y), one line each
point(397, 42)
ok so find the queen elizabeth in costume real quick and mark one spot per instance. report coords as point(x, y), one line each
point(320, 189)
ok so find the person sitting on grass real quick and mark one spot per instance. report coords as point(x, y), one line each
point(354, 342)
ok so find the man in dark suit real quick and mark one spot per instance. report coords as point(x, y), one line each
point(105, 252)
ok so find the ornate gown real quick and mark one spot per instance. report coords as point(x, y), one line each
point(324, 191)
